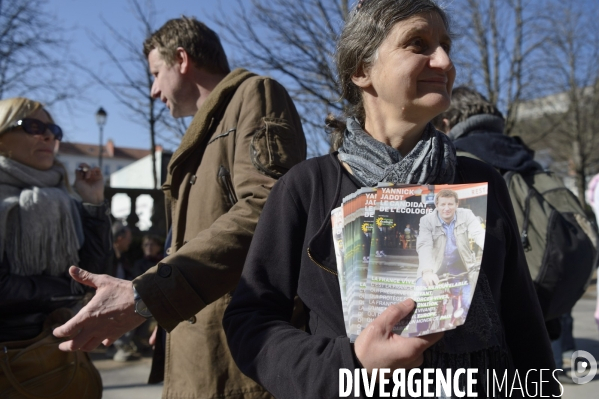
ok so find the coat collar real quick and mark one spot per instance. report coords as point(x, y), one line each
point(199, 127)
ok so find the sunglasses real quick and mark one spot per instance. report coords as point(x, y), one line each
point(35, 126)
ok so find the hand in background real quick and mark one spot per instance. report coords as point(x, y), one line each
point(89, 184)
point(378, 346)
point(429, 278)
point(109, 314)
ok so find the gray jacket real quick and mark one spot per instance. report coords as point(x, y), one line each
point(431, 240)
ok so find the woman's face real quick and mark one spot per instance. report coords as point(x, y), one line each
point(36, 151)
point(413, 73)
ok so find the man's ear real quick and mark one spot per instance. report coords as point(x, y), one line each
point(182, 60)
point(362, 77)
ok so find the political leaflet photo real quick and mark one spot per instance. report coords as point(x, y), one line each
point(423, 242)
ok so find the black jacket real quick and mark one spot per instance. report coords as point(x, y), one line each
point(25, 300)
point(292, 252)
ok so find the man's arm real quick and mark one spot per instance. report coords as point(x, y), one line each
point(209, 265)
point(475, 230)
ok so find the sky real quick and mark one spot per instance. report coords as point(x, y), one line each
point(79, 18)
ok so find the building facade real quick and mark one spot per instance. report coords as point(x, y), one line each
point(113, 158)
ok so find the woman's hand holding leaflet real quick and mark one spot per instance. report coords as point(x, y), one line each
point(378, 347)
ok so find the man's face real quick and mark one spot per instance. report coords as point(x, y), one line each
point(446, 207)
point(170, 86)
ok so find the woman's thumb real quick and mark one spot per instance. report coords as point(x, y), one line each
point(396, 312)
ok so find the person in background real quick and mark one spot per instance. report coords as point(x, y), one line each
point(153, 249)
point(245, 134)
point(408, 236)
point(45, 224)
point(475, 126)
point(121, 241)
point(395, 70)
point(126, 349)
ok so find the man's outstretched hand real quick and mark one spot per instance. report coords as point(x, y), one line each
point(109, 315)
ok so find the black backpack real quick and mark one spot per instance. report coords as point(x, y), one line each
point(560, 243)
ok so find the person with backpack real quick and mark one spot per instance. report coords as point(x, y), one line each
point(559, 241)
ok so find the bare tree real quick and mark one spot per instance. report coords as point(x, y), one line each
point(566, 121)
point(32, 56)
point(293, 41)
point(132, 84)
point(498, 50)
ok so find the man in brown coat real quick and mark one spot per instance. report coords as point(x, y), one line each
point(245, 134)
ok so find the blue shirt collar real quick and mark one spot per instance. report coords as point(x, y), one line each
point(447, 224)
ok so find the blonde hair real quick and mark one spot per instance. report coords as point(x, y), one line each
point(14, 109)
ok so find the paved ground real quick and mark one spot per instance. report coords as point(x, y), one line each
point(587, 339)
point(128, 380)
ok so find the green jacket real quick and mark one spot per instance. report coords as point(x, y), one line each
point(245, 136)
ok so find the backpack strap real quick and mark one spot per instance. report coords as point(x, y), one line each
point(531, 191)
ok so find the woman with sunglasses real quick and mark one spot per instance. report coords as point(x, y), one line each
point(394, 66)
point(45, 225)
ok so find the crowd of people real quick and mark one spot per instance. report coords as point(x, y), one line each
point(244, 289)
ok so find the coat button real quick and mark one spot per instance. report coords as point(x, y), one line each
point(169, 250)
point(192, 320)
point(164, 271)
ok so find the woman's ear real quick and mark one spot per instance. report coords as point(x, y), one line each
point(362, 77)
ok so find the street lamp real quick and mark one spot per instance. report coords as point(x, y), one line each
point(101, 120)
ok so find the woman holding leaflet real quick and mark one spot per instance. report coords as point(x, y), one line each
point(394, 65)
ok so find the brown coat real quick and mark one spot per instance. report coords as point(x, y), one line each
point(245, 136)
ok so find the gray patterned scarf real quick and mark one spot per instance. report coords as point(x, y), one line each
point(432, 161)
point(40, 225)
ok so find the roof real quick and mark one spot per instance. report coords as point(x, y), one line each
point(92, 150)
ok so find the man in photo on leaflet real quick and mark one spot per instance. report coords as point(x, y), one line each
point(443, 246)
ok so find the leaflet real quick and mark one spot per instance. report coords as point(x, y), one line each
point(423, 242)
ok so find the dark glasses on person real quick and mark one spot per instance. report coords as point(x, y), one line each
point(35, 126)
